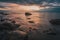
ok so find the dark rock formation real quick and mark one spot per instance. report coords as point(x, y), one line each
point(16, 36)
point(3, 13)
point(11, 35)
point(27, 14)
point(28, 18)
point(51, 33)
point(8, 32)
point(31, 21)
point(4, 35)
point(55, 21)
point(8, 26)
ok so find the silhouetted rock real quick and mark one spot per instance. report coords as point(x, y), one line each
point(13, 22)
point(4, 35)
point(12, 35)
point(2, 20)
point(55, 21)
point(8, 26)
point(27, 14)
point(28, 18)
point(45, 31)
point(3, 13)
point(16, 36)
point(30, 21)
point(51, 33)
point(26, 37)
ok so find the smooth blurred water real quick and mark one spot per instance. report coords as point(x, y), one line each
point(38, 17)
point(51, 15)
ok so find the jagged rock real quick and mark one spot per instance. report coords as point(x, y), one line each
point(12, 35)
point(2, 19)
point(27, 14)
point(8, 26)
point(3, 13)
point(55, 21)
point(16, 36)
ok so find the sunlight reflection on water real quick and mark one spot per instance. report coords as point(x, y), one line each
point(38, 20)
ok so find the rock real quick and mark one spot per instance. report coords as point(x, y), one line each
point(30, 21)
point(27, 14)
point(3, 13)
point(4, 35)
point(13, 22)
point(55, 21)
point(2, 20)
point(51, 33)
point(28, 18)
point(11, 35)
point(26, 37)
point(8, 26)
point(16, 36)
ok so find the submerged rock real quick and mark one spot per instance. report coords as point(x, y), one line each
point(28, 18)
point(27, 14)
point(3, 13)
point(51, 33)
point(31, 21)
point(55, 21)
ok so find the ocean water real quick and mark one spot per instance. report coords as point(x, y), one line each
point(40, 21)
point(44, 18)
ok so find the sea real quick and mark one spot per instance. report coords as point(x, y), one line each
point(44, 18)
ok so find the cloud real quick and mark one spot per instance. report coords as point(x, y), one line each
point(32, 1)
point(18, 7)
point(50, 4)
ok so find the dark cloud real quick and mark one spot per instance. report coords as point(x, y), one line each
point(44, 2)
point(32, 1)
point(27, 0)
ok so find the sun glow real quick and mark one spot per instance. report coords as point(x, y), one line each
point(30, 8)
point(19, 7)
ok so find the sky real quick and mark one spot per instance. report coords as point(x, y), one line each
point(12, 4)
point(41, 2)
point(32, 1)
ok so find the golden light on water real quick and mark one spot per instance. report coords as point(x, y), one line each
point(18, 14)
point(26, 21)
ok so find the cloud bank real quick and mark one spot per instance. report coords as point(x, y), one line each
point(32, 1)
point(18, 7)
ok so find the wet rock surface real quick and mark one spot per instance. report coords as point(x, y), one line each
point(8, 26)
point(31, 21)
point(28, 18)
point(8, 31)
point(55, 21)
point(28, 14)
point(17, 27)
